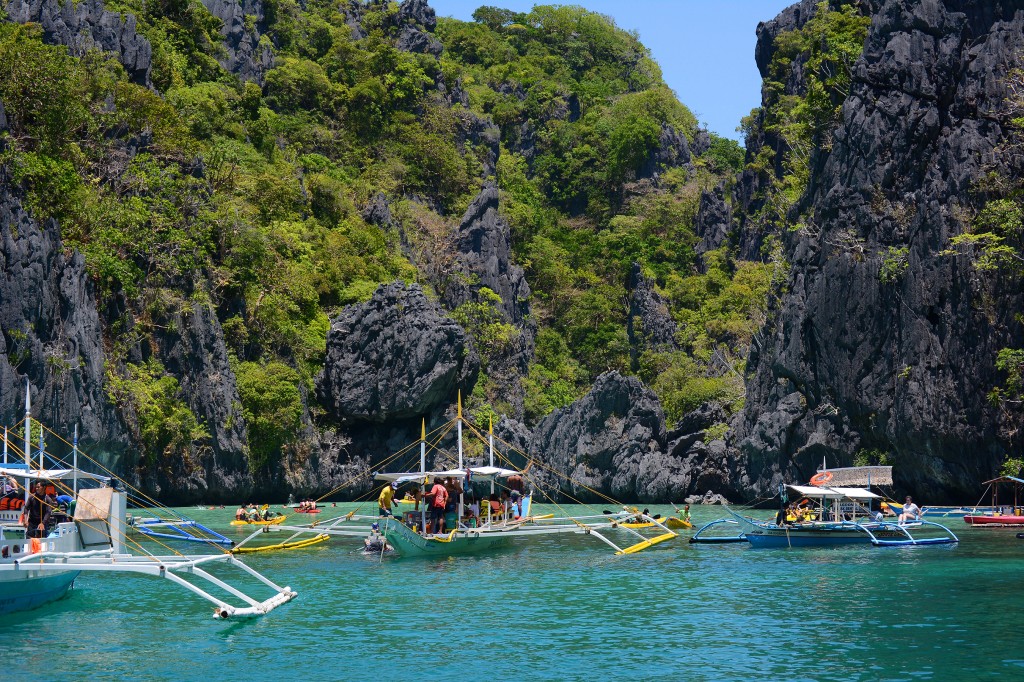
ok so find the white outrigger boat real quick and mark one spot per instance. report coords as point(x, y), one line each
point(832, 515)
point(35, 571)
point(411, 534)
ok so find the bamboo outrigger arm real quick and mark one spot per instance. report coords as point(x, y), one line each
point(168, 567)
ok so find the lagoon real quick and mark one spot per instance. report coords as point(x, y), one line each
point(557, 608)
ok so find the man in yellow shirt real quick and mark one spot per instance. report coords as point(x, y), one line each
point(387, 499)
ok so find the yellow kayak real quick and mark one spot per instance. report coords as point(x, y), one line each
point(269, 522)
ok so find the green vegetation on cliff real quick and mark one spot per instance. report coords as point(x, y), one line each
point(250, 197)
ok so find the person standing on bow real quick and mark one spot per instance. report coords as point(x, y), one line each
point(37, 511)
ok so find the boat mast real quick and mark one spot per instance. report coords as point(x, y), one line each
point(459, 518)
point(423, 472)
point(5, 445)
point(28, 438)
point(490, 440)
point(74, 463)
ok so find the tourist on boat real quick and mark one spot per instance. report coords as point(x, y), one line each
point(494, 505)
point(911, 512)
point(386, 499)
point(252, 514)
point(515, 506)
point(454, 488)
point(10, 487)
point(438, 502)
point(515, 482)
point(473, 507)
point(240, 513)
point(37, 511)
point(685, 514)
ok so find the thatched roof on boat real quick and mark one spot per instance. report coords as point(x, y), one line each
point(855, 476)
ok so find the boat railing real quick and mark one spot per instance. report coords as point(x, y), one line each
point(874, 528)
point(700, 538)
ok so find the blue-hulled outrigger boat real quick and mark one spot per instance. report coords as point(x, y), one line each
point(839, 516)
point(835, 509)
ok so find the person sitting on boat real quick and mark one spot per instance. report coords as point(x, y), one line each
point(494, 507)
point(911, 512)
point(685, 514)
point(473, 507)
point(240, 513)
point(37, 511)
point(386, 499)
point(251, 513)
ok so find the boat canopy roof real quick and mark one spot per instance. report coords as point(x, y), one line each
point(859, 476)
point(1005, 479)
point(22, 471)
point(475, 473)
point(831, 493)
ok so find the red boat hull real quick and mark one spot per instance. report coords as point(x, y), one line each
point(988, 520)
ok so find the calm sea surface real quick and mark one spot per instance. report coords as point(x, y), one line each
point(556, 609)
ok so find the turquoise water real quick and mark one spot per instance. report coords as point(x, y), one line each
point(557, 609)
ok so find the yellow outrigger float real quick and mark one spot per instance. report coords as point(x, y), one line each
point(411, 535)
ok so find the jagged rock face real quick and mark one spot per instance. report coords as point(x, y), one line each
point(417, 21)
point(673, 150)
point(484, 259)
point(245, 56)
point(85, 25)
point(853, 361)
point(395, 357)
point(52, 337)
point(611, 441)
point(713, 222)
point(650, 325)
point(484, 247)
point(192, 349)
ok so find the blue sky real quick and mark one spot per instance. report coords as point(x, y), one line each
point(705, 47)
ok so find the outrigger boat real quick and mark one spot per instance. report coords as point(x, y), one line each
point(38, 570)
point(411, 535)
point(832, 515)
point(998, 516)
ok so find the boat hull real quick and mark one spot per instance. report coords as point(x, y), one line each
point(1002, 521)
point(409, 543)
point(806, 538)
point(24, 590)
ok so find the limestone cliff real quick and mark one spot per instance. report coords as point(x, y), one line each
point(884, 342)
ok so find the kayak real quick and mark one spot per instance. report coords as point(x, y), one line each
point(269, 522)
point(668, 522)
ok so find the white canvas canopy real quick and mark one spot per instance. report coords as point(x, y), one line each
point(833, 493)
point(49, 474)
point(488, 473)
